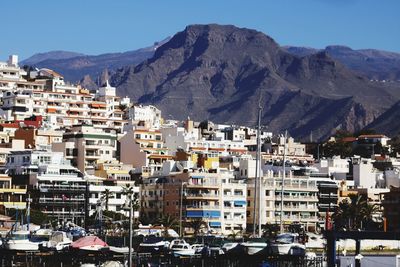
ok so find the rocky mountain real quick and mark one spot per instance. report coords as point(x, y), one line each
point(389, 122)
point(375, 64)
point(75, 66)
point(55, 55)
point(222, 73)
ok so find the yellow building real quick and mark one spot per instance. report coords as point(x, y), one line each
point(11, 197)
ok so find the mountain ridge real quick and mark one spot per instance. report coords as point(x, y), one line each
point(220, 72)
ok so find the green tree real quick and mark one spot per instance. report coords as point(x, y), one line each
point(169, 222)
point(368, 212)
point(196, 224)
point(395, 145)
point(337, 148)
point(270, 231)
point(105, 196)
point(355, 213)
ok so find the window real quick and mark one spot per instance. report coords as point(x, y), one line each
point(248, 192)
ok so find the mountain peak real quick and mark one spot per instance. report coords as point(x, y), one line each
point(220, 72)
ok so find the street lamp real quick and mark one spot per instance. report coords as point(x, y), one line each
point(180, 210)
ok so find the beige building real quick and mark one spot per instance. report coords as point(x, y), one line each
point(86, 146)
point(216, 198)
point(144, 150)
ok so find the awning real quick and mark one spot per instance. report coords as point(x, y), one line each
point(240, 202)
point(215, 224)
point(203, 214)
point(197, 177)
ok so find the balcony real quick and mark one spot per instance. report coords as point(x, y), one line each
point(202, 196)
point(297, 208)
point(89, 155)
point(93, 145)
point(62, 188)
point(203, 185)
point(203, 207)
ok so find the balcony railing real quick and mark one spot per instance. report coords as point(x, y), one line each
point(203, 207)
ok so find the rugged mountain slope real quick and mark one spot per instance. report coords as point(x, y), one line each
point(221, 73)
point(389, 122)
point(375, 64)
point(74, 68)
point(36, 58)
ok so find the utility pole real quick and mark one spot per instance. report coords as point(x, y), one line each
point(283, 181)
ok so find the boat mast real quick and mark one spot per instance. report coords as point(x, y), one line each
point(258, 174)
point(28, 211)
point(257, 182)
point(283, 180)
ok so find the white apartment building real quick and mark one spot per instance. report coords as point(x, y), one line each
point(148, 114)
point(300, 201)
point(86, 146)
point(116, 197)
point(60, 104)
point(58, 188)
point(216, 198)
point(365, 175)
point(335, 166)
point(292, 148)
point(189, 143)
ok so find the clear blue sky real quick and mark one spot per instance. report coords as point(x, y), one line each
point(97, 26)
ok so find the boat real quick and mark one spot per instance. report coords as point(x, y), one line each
point(150, 230)
point(181, 250)
point(112, 264)
point(288, 244)
point(153, 244)
point(254, 246)
point(198, 248)
point(19, 240)
point(231, 247)
point(89, 243)
point(177, 242)
point(58, 241)
point(116, 250)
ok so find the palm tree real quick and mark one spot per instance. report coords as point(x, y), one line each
point(236, 234)
point(352, 213)
point(105, 196)
point(169, 222)
point(196, 225)
point(368, 212)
